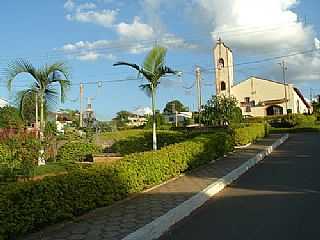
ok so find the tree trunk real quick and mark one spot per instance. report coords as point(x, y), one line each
point(154, 134)
point(41, 160)
point(41, 117)
point(37, 116)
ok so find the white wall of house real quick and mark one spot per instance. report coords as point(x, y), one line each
point(3, 103)
point(261, 90)
point(136, 121)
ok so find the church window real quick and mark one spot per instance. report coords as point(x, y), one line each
point(247, 99)
point(220, 63)
point(223, 86)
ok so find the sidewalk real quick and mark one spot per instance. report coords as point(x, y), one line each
point(123, 219)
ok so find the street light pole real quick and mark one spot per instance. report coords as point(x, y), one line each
point(198, 85)
point(284, 69)
point(81, 107)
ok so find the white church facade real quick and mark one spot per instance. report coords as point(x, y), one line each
point(257, 97)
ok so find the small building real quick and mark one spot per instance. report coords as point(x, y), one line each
point(61, 118)
point(136, 121)
point(3, 103)
point(256, 96)
point(89, 116)
point(180, 117)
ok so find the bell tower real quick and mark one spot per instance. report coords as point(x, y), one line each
point(223, 63)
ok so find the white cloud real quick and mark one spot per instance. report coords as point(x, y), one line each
point(89, 51)
point(135, 30)
point(261, 28)
point(93, 56)
point(86, 45)
point(135, 37)
point(88, 13)
point(69, 5)
point(317, 43)
point(86, 6)
point(105, 18)
point(173, 42)
point(247, 24)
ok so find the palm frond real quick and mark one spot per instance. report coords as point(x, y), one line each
point(64, 85)
point(57, 69)
point(155, 59)
point(147, 89)
point(135, 66)
point(22, 95)
point(166, 70)
point(20, 66)
point(140, 70)
point(57, 73)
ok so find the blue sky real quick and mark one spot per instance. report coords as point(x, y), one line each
point(91, 35)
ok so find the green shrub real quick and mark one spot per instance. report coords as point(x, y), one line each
point(77, 152)
point(143, 142)
point(305, 120)
point(18, 156)
point(30, 205)
point(249, 133)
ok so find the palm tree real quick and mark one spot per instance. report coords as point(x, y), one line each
point(46, 81)
point(152, 70)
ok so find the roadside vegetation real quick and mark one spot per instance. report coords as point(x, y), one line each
point(72, 183)
point(71, 189)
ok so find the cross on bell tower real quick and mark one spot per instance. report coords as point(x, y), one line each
point(223, 62)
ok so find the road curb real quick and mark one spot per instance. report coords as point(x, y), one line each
point(162, 224)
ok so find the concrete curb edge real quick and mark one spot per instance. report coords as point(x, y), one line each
point(162, 224)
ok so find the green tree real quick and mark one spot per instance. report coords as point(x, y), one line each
point(221, 111)
point(27, 107)
point(160, 120)
point(173, 106)
point(123, 116)
point(10, 118)
point(72, 115)
point(316, 108)
point(46, 79)
point(152, 70)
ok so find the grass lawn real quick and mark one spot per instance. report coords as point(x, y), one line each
point(50, 168)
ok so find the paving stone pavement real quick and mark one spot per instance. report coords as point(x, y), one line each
point(117, 221)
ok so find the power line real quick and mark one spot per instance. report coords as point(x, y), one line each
point(268, 59)
point(80, 52)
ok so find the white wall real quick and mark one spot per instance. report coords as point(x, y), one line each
point(261, 90)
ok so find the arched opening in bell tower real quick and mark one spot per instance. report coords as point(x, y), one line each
point(220, 63)
point(223, 86)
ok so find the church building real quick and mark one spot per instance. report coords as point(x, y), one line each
point(257, 97)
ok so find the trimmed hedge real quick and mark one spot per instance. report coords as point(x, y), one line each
point(31, 205)
point(143, 141)
point(249, 133)
point(77, 152)
point(285, 121)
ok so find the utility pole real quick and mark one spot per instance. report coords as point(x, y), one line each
point(174, 110)
point(284, 69)
point(311, 95)
point(198, 89)
point(81, 107)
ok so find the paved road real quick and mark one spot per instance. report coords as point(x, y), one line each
point(278, 199)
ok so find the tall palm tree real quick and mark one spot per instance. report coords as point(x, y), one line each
point(46, 80)
point(152, 70)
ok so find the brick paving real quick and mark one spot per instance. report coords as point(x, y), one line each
point(117, 221)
